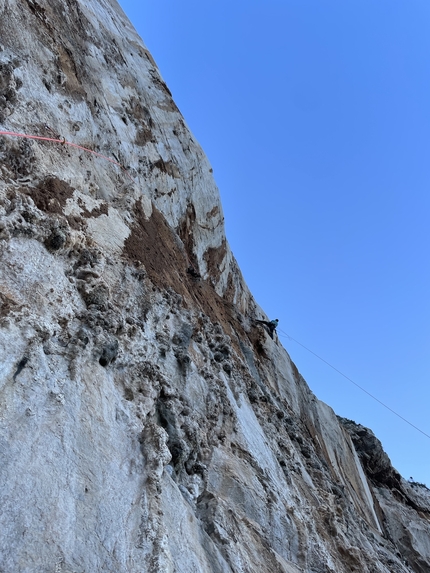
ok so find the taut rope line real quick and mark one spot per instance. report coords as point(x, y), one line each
point(71, 144)
point(355, 384)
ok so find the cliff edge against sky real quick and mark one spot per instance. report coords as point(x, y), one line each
point(146, 423)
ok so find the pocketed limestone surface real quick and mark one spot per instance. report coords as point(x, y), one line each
point(146, 424)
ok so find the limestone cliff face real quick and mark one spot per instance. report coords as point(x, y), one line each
point(146, 424)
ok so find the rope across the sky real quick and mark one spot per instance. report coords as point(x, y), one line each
point(355, 383)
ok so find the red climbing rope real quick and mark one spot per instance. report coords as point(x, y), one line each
point(64, 142)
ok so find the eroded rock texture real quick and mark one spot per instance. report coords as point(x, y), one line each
point(146, 424)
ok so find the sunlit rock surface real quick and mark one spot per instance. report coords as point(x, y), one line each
point(147, 425)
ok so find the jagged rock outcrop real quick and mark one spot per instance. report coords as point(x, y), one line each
point(146, 424)
point(405, 523)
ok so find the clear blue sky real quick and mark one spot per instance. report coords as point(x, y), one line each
point(316, 119)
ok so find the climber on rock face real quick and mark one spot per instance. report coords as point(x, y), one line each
point(270, 325)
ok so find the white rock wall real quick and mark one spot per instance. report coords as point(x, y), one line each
point(147, 425)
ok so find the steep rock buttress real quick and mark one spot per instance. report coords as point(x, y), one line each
point(146, 425)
